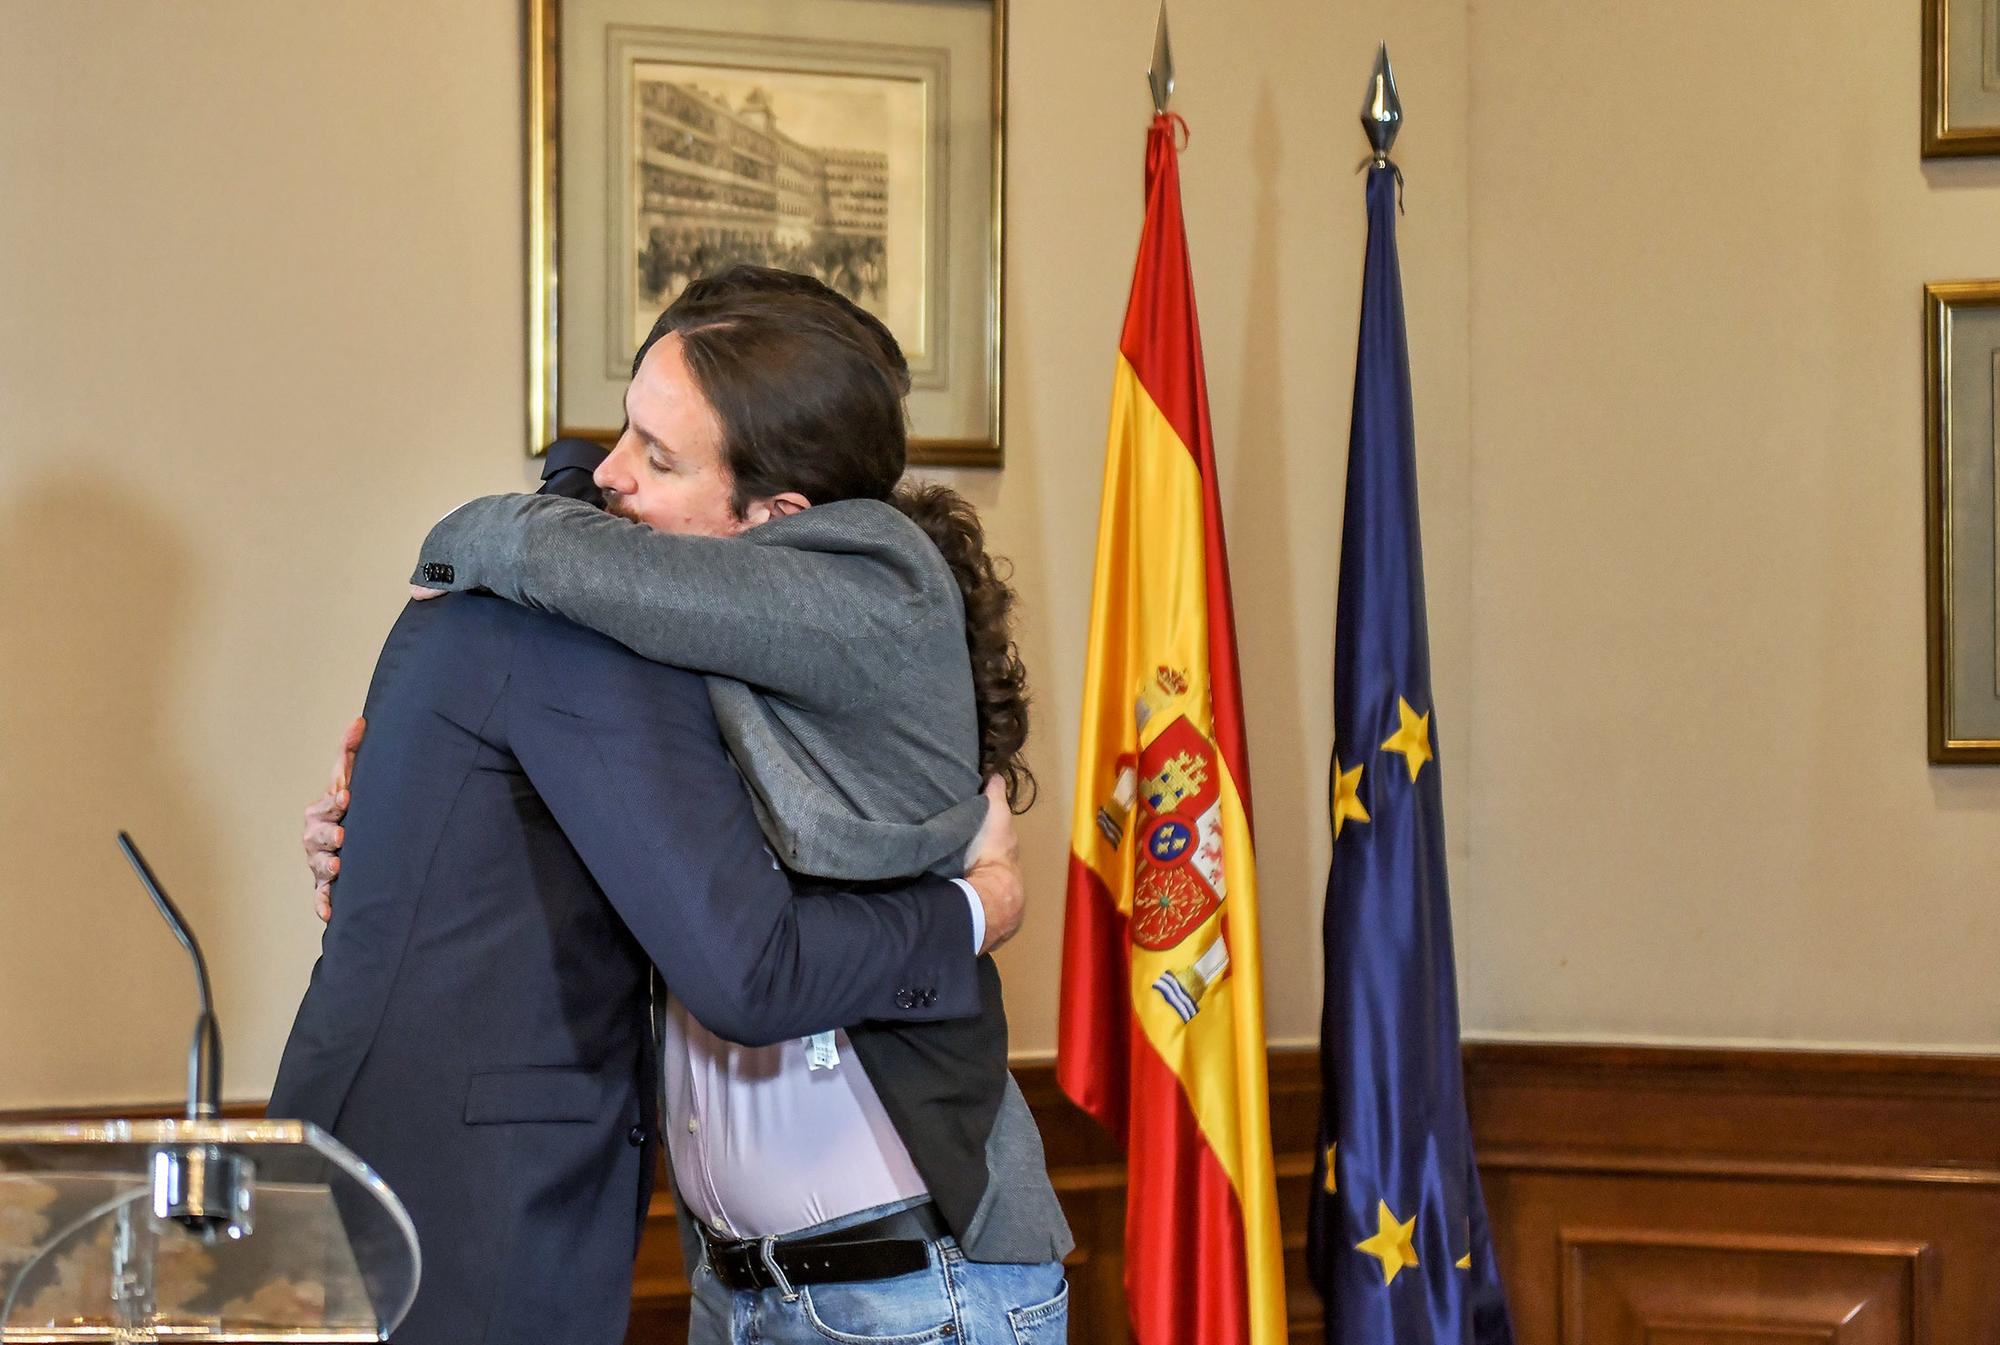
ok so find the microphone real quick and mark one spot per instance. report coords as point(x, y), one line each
point(204, 1088)
point(203, 1186)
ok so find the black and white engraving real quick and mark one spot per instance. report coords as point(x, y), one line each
point(810, 172)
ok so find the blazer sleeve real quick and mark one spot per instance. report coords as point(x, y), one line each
point(819, 626)
point(628, 759)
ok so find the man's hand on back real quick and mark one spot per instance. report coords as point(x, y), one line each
point(992, 861)
point(323, 833)
point(993, 867)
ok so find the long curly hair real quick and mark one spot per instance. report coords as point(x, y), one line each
point(999, 678)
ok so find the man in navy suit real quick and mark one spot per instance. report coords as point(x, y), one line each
point(540, 817)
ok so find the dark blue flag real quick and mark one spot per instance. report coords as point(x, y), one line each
point(1398, 1243)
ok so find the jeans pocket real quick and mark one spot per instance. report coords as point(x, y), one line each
point(1043, 1323)
point(911, 1309)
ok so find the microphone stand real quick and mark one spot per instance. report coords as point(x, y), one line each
point(205, 1188)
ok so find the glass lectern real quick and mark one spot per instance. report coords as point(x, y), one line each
point(196, 1230)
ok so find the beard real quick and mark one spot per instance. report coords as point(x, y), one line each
point(620, 506)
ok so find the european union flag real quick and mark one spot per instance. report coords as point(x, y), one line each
point(1398, 1244)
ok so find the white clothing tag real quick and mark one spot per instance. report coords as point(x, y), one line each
point(821, 1052)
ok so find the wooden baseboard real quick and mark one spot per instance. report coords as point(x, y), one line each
point(1664, 1196)
point(1641, 1196)
point(1675, 1195)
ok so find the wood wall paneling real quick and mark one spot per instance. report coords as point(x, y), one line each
point(1638, 1196)
point(1682, 1196)
point(1621, 1288)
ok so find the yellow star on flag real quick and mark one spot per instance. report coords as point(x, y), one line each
point(1393, 1244)
point(1412, 738)
point(1346, 797)
point(1332, 1186)
point(1464, 1262)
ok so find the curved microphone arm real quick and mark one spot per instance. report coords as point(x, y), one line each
point(205, 1052)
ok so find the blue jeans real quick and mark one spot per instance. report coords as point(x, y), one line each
point(952, 1301)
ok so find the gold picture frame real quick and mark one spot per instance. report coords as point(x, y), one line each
point(1961, 78)
point(673, 88)
point(1962, 518)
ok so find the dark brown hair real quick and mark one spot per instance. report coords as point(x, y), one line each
point(999, 678)
point(743, 278)
point(804, 399)
point(809, 387)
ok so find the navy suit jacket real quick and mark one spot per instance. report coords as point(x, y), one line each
point(540, 817)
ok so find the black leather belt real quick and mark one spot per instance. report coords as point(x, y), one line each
point(877, 1250)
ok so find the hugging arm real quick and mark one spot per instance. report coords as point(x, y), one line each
point(719, 605)
point(637, 777)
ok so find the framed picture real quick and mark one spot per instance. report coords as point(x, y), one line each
point(1961, 77)
point(859, 141)
point(1962, 525)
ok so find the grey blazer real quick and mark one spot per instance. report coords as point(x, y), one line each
point(834, 641)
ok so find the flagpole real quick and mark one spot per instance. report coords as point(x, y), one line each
point(1399, 1245)
point(1161, 1031)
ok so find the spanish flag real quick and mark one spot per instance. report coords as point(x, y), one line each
point(1162, 1030)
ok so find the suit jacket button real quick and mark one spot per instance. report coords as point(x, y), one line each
point(906, 999)
point(636, 1136)
point(438, 573)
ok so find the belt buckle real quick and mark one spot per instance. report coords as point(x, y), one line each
point(766, 1253)
point(734, 1262)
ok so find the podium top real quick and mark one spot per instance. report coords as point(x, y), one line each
point(316, 1247)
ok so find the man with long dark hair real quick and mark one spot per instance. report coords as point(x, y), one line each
point(877, 1181)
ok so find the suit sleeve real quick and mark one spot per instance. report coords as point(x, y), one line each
point(568, 468)
point(628, 758)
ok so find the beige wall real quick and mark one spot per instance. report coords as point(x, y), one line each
point(262, 323)
point(259, 324)
point(1700, 805)
point(260, 320)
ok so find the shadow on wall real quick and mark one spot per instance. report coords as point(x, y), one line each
point(1969, 174)
point(95, 999)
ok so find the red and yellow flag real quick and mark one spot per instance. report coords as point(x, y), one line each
point(1162, 1035)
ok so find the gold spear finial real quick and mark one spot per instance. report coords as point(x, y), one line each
point(1161, 77)
point(1381, 109)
